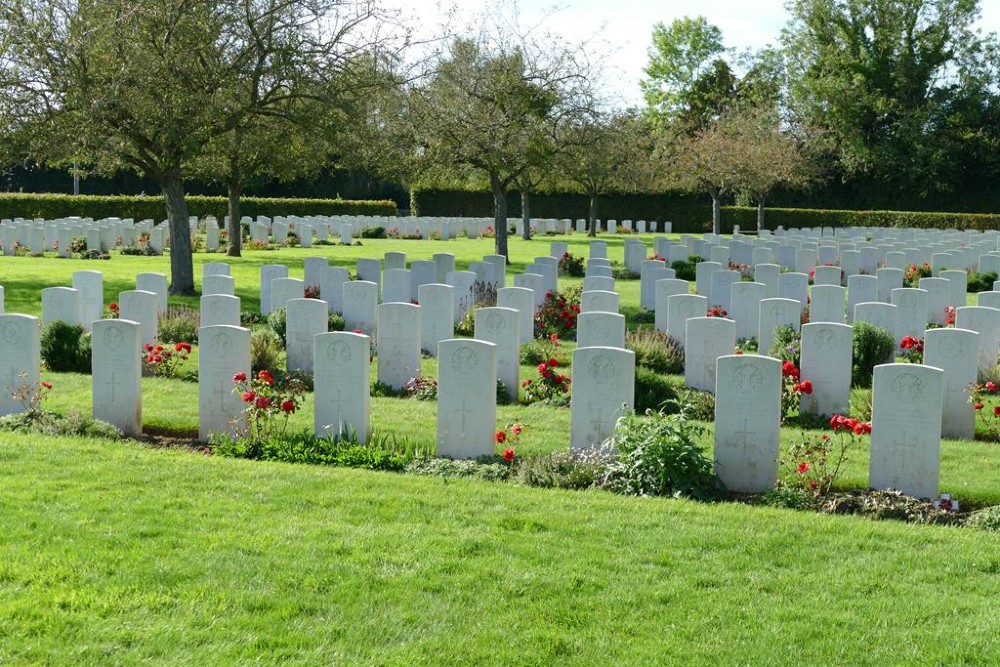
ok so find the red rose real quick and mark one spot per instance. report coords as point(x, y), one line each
point(516, 429)
point(806, 387)
point(803, 467)
point(977, 406)
point(248, 396)
point(553, 363)
point(542, 368)
point(501, 436)
point(265, 376)
point(991, 387)
point(147, 347)
point(287, 407)
point(508, 454)
point(262, 402)
point(240, 377)
point(47, 385)
point(996, 410)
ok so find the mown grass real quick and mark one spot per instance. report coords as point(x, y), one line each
point(114, 553)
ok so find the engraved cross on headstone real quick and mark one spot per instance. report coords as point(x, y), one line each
point(221, 391)
point(112, 383)
point(745, 435)
point(903, 447)
point(465, 411)
point(597, 422)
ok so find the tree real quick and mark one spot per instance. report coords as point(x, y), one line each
point(763, 157)
point(604, 153)
point(687, 50)
point(148, 85)
point(885, 81)
point(493, 105)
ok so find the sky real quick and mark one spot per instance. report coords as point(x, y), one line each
point(622, 29)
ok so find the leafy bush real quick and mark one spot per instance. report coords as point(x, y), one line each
point(558, 314)
point(65, 348)
point(684, 270)
point(787, 345)
point(698, 404)
point(656, 351)
point(567, 469)
point(540, 351)
point(265, 350)
point(334, 321)
point(490, 469)
point(872, 346)
point(73, 423)
point(179, 325)
point(659, 456)
point(652, 390)
point(985, 519)
point(787, 497)
point(278, 321)
point(304, 447)
point(571, 265)
point(981, 282)
point(373, 233)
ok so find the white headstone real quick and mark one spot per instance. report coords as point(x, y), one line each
point(598, 301)
point(90, 286)
point(60, 304)
point(955, 351)
point(140, 306)
point(361, 306)
point(745, 298)
point(19, 354)
point(223, 352)
point(985, 322)
point(776, 313)
point(220, 309)
point(911, 312)
point(155, 283)
point(464, 283)
point(747, 431)
point(116, 378)
point(827, 304)
point(304, 319)
point(269, 272)
point(342, 397)
point(664, 289)
point(398, 343)
point(467, 398)
point(860, 289)
point(523, 301)
point(603, 383)
point(681, 308)
point(397, 285)
point(600, 329)
point(331, 288)
point(706, 339)
point(827, 350)
point(314, 269)
point(500, 326)
point(906, 429)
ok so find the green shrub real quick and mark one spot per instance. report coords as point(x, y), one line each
point(304, 447)
point(698, 404)
point(659, 456)
point(73, 423)
point(539, 352)
point(872, 346)
point(53, 206)
point(334, 321)
point(787, 497)
point(566, 469)
point(278, 321)
point(373, 233)
point(981, 282)
point(652, 390)
point(686, 270)
point(656, 351)
point(65, 348)
point(786, 345)
point(490, 469)
point(266, 350)
point(985, 519)
point(179, 325)
point(572, 265)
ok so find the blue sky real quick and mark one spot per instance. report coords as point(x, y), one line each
point(621, 29)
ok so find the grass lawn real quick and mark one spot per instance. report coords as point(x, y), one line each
point(117, 552)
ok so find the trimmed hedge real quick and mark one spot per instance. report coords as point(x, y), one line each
point(49, 206)
point(687, 213)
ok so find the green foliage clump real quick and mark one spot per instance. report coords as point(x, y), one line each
point(539, 352)
point(373, 233)
point(489, 469)
point(787, 497)
point(985, 519)
point(335, 321)
point(179, 325)
point(981, 282)
point(652, 390)
point(72, 423)
point(786, 345)
point(567, 469)
point(699, 405)
point(656, 351)
point(687, 270)
point(65, 348)
point(659, 456)
point(265, 350)
point(872, 346)
point(304, 447)
point(571, 265)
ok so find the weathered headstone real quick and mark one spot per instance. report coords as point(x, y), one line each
point(155, 283)
point(598, 301)
point(361, 306)
point(90, 286)
point(681, 308)
point(60, 304)
point(140, 306)
point(269, 272)
point(664, 289)
point(437, 315)
point(879, 314)
point(776, 313)
point(911, 312)
point(860, 289)
point(906, 429)
point(745, 298)
point(331, 288)
point(304, 319)
point(827, 304)
point(747, 431)
point(600, 329)
point(220, 309)
point(398, 343)
point(985, 322)
point(500, 327)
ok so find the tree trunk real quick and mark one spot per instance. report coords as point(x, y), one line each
point(499, 215)
point(235, 230)
point(716, 213)
point(760, 213)
point(592, 216)
point(181, 267)
point(526, 213)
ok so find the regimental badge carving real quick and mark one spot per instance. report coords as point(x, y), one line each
point(113, 335)
point(339, 353)
point(908, 387)
point(601, 368)
point(747, 378)
point(11, 333)
point(221, 342)
point(465, 359)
